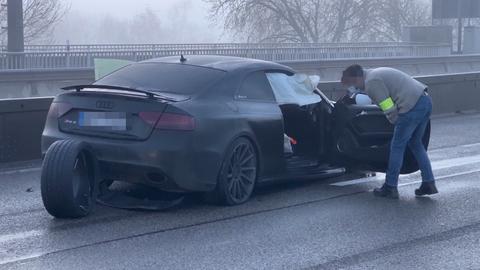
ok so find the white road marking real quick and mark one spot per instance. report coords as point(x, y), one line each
point(453, 147)
point(455, 162)
point(20, 235)
point(378, 177)
point(443, 177)
point(22, 258)
point(18, 171)
point(437, 165)
point(470, 145)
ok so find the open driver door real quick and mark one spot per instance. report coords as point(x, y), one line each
point(362, 136)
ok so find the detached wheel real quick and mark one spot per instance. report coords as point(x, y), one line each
point(67, 181)
point(237, 176)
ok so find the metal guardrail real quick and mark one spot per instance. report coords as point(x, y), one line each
point(205, 46)
point(74, 57)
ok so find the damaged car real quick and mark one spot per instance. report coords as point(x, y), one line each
point(214, 125)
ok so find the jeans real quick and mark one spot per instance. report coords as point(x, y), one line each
point(409, 130)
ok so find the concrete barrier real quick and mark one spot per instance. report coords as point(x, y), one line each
point(40, 83)
point(22, 120)
point(331, 70)
point(21, 125)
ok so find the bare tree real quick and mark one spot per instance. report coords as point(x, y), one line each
point(392, 15)
point(40, 16)
point(320, 20)
point(295, 20)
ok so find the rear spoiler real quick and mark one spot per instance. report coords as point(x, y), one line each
point(79, 88)
point(149, 94)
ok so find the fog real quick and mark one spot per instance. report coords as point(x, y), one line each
point(129, 7)
point(192, 21)
point(139, 21)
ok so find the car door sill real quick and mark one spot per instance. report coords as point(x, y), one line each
point(303, 172)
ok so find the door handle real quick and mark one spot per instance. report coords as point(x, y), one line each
point(362, 113)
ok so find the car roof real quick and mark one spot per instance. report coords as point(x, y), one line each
point(225, 63)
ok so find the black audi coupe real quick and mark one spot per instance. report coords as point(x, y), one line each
point(207, 124)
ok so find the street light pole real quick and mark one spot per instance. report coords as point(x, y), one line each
point(460, 27)
point(15, 26)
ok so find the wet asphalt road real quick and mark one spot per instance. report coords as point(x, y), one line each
point(323, 224)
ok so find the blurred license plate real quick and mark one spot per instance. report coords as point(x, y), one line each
point(115, 121)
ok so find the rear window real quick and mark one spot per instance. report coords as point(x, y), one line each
point(160, 77)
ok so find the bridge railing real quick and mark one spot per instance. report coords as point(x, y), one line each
point(204, 46)
point(80, 56)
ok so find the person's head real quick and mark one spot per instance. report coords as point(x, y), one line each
point(354, 76)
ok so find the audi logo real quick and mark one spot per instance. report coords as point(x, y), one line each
point(102, 104)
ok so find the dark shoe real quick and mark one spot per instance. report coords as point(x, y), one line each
point(428, 188)
point(386, 191)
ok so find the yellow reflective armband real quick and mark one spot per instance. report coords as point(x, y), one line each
point(387, 104)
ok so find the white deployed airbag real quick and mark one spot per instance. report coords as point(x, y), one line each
point(296, 89)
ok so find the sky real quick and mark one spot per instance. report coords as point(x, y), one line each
point(130, 7)
point(197, 26)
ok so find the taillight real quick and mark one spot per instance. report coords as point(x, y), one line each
point(171, 121)
point(58, 109)
point(168, 121)
point(151, 118)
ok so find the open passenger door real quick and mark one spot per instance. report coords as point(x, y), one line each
point(362, 136)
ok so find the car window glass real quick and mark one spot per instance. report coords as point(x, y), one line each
point(163, 77)
point(256, 87)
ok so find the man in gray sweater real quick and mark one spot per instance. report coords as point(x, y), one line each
point(406, 104)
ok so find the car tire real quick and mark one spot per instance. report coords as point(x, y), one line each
point(68, 180)
point(238, 175)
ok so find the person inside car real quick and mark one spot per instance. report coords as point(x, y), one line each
point(354, 95)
